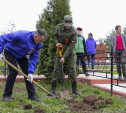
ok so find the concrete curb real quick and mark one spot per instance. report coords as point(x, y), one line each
point(108, 90)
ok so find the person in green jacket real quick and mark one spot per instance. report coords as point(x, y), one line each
point(66, 36)
point(81, 50)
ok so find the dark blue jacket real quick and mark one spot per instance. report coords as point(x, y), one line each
point(20, 44)
point(91, 46)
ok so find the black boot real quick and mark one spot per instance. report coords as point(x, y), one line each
point(124, 76)
point(35, 98)
point(7, 99)
point(74, 88)
point(53, 88)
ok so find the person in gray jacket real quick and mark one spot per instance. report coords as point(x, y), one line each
point(119, 49)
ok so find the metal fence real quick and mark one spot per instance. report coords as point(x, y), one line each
point(108, 67)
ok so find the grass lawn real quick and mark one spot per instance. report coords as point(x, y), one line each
point(102, 67)
point(55, 105)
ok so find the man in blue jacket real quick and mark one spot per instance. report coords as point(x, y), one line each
point(17, 45)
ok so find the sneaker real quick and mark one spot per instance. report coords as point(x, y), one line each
point(52, 92)
point(35, 98)
point(86, 74)
point(76, 92)
point(124, 78)
point(7, 99)
point(92, 70)
point(120, 78)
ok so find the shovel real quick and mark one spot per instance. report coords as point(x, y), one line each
point(26, 76)
point(64, 94)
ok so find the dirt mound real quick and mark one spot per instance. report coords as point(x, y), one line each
point(89, 103)
point(28, 106)
point(38, 110)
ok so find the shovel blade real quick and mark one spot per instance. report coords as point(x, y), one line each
point(64, 94)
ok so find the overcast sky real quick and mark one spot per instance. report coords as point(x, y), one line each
point(96, 16)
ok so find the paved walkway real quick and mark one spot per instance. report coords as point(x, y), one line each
point(116, 89)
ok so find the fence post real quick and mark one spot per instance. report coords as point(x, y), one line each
point(111, 71)
point(106, 71)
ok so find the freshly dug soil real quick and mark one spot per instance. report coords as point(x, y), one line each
point(28, 106)
point(89, 104)
point(38, 110)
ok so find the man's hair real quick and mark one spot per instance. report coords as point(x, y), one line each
point(90, 34)
point(41, 32)
point(116, 27)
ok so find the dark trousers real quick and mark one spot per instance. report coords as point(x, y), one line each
point(121, 61)
point(80, 57)
point(23, 63)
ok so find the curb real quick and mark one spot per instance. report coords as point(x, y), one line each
point(22, 79)
point(79, 79)
point(108, 90)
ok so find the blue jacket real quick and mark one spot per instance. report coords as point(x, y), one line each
point(91, 46)
point(20, 44)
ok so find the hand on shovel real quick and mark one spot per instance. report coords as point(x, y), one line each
point(62, 60)
point(31, 78)
point(1, 56)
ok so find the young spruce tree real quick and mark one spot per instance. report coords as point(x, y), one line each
point(52, 15)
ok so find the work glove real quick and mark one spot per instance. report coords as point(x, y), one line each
point(1, 56)
point(58, 44)
point(62, 60)
point(31, 78)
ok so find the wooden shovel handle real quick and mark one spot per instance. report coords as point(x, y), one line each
point(26, 76)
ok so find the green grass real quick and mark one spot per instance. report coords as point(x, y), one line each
point(54, 105)
point(102, 67)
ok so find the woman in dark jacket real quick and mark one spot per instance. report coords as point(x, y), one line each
point(91, 49)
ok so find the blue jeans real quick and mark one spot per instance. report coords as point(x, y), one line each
point(92, 59)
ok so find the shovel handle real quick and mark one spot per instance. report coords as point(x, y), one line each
point(60, 49)
point(63, 77)
point(26, 76)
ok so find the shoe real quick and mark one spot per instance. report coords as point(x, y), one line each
point(124, 79)
point(7, 99)
point(92, 70)
point(124, 76)
point(35, 98)
point(86, 74)
point(120, 78)
point(53, 88)
point(76, 92)
point(52, 92)
point(74, 89)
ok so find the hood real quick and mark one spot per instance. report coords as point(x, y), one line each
point(91, 38)
point(79, 35)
